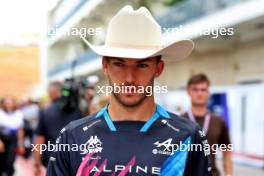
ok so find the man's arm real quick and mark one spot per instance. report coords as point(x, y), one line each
point(38, 141)
point(2, 146)
point(21, 136)
point(227, 162)
point(20, 133)
point(37, 155)
point(227, 155)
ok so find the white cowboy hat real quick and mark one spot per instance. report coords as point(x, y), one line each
point(136, 34)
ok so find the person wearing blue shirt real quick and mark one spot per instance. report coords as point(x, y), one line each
point(132, 135)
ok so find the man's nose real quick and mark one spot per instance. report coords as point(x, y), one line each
point(130, 76)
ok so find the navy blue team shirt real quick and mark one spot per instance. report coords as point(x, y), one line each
point(122, 148)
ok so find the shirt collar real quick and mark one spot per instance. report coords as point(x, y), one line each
point(159, 113)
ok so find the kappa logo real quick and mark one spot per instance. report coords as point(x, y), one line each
point(165, 148)
point(93, 145)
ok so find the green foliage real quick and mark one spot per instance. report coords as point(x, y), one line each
point(145, 3)
point(171, 2)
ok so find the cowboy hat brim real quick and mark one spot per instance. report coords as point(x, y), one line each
point(176, 51)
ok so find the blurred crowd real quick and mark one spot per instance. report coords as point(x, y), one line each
point(34, 122)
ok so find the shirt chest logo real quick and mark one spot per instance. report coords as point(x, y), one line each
point(166, 147)
point(93, 145)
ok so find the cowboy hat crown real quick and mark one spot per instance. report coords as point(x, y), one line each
point(136, 34)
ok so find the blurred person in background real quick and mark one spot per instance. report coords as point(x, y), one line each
point(11, 135)
point(213, 126)
point(51, 120)
point(30, 111)
point(54, 91)
point(89, 107)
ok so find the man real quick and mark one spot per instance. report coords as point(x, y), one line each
point(30, 111)
point(51, 121)
point(214, 126)
point(132, 135)
point(89, 107)
point(54, 91)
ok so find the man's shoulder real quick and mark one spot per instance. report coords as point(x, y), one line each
point(81, 123)
point(218, 120)
point(50, 110)
point(217, 117)
point(183, 123)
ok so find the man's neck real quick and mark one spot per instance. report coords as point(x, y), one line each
point(199, 110)
point(142, 112)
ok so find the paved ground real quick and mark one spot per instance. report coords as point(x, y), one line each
point(24, 168)
point(241, 170)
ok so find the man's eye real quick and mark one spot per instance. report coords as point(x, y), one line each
point(142, 65)
point(118, 64)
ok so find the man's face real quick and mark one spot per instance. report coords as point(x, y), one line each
point(199, 93)
point(54, 93)
point(89, 94)
point(130, 73)
point(9, 104)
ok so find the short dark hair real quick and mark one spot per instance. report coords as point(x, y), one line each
point(198, 78)
point(159, 57)
point(56, 84)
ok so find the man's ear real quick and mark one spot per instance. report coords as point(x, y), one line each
point(104, 65)
point(188, 91)
point(160, 68)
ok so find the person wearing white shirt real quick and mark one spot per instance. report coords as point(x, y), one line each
point(11, 135)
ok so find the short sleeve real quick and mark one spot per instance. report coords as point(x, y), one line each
point(224, 136)
point(41, 129)
point(19, 119)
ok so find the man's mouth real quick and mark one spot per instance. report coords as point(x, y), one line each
point(130, 90)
